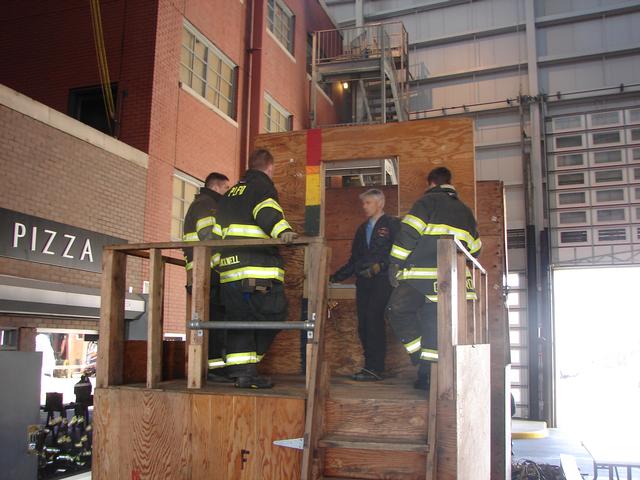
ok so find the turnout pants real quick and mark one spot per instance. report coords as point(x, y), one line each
point(245, 348)
point(414, 320)
point(372, 295)
point(216, 337)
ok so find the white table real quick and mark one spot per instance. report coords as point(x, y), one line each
point(611, 456)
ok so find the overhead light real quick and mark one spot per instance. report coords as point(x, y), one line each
point(345, 85)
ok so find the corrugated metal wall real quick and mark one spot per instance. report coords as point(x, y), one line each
point(470, 57)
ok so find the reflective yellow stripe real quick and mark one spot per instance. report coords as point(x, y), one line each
point(429, 354)
point(215, 260)
point(418, 274)
point(415, 222)
point(205, 222)
point(189, 265)
point(190, 237)
point(241, 358)
point(470, 296)
point(274, 273)
point(399, 252)
point(216, 363)
point(268, 203)
point(414, 345)
point(217, 230)
point(249, 231)
point(280, 227)
point(473, 245)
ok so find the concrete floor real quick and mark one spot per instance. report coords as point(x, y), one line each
point(548, 450)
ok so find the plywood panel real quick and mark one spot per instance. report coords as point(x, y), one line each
point(419, 147)
point(155, 434)
point(474, 424)
point(344, 351)
point(278, 419)
point(491, 223)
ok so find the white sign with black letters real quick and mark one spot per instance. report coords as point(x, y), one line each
point(36, 239)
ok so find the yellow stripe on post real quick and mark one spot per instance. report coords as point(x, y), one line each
point(313, 188)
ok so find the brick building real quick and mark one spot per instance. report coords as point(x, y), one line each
point(194, 81)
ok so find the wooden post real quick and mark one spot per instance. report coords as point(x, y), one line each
point(154, 324)
point(446, 441)
point(463, 338)
point(483, 319)
point(198, 339)
point(431, 424)
point(318, 372)
point(111, 343)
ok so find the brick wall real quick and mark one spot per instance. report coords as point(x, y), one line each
point(55, 175)
point(47, 48)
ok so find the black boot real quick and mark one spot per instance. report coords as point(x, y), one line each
point(424, 376)
point(256, 382)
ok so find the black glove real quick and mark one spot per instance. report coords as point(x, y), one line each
point(332, 279)
point(393, 275)
point(371, 271)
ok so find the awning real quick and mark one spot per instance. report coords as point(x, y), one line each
point(26, 296)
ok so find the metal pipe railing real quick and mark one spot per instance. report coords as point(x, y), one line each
point(245, 325)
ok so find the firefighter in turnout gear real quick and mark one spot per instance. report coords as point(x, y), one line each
point(369, 262)
point(251, 278)
point(412, 308)
point(199, 225)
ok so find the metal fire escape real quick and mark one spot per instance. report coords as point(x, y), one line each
point(370, 63)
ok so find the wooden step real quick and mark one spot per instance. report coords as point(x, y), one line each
point(368, 443)
point(380, 410)
point(359, 463)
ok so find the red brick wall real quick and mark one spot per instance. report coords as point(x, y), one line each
point(286, 80)
point(47, 48)
point(53, 175)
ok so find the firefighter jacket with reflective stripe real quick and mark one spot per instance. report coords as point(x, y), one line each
point(364, 256)
point(415, 250)
point(250, 210)
point(200, 221)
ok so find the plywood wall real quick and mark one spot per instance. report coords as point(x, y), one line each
point(419, 147)
point(154, 434)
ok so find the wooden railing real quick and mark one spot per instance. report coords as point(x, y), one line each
point(460, 421)
point(110, 352)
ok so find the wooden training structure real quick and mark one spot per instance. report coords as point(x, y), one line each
point(164, 427)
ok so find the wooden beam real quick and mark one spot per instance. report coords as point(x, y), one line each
point(110, 350)
point(448, 291)
point(198, 339)
point(154, 322)
point(461, 266)
point(132, 247)
point(431, 425)
point(318, 373)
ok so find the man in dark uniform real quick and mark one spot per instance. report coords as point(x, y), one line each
point(412, 307)
point(252, 278)
point(199, 225)
point(369, 262)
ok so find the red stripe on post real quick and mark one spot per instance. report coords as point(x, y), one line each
point(314, 147)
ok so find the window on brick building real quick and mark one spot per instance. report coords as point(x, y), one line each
point(208, 71)
point(185, 188)
point(281, 22)
point(276, 117)
point(87, 105)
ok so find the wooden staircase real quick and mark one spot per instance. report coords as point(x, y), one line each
point(375, 430)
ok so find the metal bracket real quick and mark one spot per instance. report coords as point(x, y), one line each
point(296, 443)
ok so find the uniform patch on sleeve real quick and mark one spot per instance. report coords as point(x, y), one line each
point(383, 232)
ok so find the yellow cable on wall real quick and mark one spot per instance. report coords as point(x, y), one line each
point(103, 66)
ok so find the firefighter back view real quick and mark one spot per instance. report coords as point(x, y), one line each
point(251, 278)
point(412, 308)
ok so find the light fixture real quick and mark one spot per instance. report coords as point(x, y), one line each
point(345, 85)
